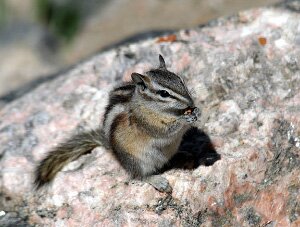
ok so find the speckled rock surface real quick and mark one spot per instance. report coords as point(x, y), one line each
point(244, 72)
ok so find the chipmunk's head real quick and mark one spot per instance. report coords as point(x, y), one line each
point(162, 91)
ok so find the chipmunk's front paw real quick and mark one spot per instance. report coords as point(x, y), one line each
point(191, 114)
point(159, 183)
point(190, 118)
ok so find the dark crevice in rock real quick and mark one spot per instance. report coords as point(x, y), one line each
point(293, 5)
point(182, 211)
point(285, 153)
point(12, 219)
point(293, 203)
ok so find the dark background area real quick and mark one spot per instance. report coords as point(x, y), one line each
point(41, 37)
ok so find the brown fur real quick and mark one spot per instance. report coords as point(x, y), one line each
point(153, 122)
point(129, 136)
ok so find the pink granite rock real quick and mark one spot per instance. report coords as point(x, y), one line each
point(245, 74)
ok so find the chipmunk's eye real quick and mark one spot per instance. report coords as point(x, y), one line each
point(163, 93)
point(143, 86)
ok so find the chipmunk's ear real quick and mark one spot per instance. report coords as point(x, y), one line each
point(162, 64)
point(140, 79)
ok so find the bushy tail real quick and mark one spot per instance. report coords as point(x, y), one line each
point(66, 152)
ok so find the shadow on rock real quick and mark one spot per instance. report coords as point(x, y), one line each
point(195, 149)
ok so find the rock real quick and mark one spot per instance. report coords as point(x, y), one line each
point(246, 69)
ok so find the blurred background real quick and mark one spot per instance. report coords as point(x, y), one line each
point(40, 37)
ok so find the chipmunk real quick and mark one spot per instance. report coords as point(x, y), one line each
point(143, 125)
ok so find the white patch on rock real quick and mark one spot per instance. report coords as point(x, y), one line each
point(281, 44)
point(58, 200)
point(2, 213)
point(201, 91)
point(230, 106)
point(273, 18)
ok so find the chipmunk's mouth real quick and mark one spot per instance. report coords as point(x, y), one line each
point(190, 110)
point(187, 113)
